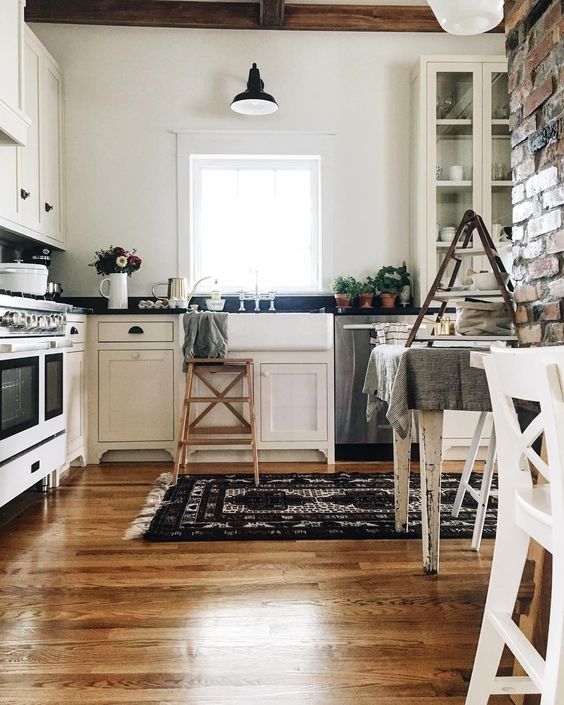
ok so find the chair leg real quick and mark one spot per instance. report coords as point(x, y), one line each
point(402, 457)
point(484, 494)
point(470, 462)
point(253, 422)
point(553, 687)
point(510, 555)
point(182, 449)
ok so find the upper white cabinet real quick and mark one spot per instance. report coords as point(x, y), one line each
point(460, 157)
point(13, 122)
point(31, 177)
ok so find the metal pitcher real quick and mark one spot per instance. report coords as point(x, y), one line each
point(177, 288)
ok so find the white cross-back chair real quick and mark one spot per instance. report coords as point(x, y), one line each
point(526, 511)
point(481, 496)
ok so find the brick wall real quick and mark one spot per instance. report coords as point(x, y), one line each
point(535, 49)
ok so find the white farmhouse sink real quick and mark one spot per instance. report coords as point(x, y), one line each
point(280, 331)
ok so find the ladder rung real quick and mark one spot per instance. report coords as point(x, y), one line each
point(519, 685)
point(218, 442)
point(216, 400)
point(520, 646)
point(218, 369)
point(221, 430)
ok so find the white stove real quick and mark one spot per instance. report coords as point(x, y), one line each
point(32, 391)
point(26, 317)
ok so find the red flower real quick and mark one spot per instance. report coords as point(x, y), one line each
point(134, 261)
point(119, 251)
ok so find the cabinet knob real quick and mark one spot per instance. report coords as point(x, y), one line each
point(135, 355)
point(24, 194)
point(266, 374)
point(48, 207)
point(136, 330)
point(74, 330)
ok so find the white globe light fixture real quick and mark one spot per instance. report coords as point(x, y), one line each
point(467, 16)
point(254, 101)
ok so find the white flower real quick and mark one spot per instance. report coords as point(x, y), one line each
point(121, 261)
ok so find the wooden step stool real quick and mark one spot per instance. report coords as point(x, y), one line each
point(192, 434)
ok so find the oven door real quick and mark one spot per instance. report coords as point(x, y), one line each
point(19, 396)
point(32, 394)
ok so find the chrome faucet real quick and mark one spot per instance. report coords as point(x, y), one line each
point(257, 297)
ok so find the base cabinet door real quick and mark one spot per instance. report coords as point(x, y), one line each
point(293, 402)
point(76, 402)
point(136, 395)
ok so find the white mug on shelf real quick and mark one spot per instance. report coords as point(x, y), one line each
point(456, 172)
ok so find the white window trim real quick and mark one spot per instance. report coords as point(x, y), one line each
point(262, 145)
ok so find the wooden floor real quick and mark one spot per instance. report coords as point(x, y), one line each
point(86, 617)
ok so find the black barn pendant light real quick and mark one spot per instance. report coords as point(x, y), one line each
point(254, 101)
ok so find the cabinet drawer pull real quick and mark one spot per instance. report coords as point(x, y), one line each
point(74, 331)
point(136, 330)
point(24, 194)
point(135, 355)
point(48, 207)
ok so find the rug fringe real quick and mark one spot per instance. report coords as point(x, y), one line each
point(141, 523)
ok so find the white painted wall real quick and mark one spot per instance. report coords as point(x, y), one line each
point(127, 87)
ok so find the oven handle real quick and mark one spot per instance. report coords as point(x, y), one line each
point(35, 347)
point(359, 326)
point(22, 347)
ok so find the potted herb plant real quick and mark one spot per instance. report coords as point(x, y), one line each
point(367, 292)
point(389, 281)
point(345, 289)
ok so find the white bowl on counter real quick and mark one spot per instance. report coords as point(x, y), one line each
point(24, 278)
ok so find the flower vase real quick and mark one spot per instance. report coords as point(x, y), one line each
point(117, 290)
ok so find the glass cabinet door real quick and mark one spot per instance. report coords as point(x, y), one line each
point(497, 153)
point(454, 156)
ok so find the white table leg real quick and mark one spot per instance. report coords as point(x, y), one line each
point(430, 449)
point(402, 457)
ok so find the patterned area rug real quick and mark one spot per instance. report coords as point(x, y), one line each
point(301, 506)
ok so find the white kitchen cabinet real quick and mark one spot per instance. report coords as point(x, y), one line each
point(51, 127)
point(136, 389)
point(31, 177)
point(293, 402)
point(29, 181)
point(460, 111)
point(13, 122)
point(135, 384)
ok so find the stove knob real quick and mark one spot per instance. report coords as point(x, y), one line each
point(13, 319)
point(31, 321)
point(52, 322)
point(42, 322)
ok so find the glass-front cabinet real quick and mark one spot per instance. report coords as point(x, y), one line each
point(460, 159)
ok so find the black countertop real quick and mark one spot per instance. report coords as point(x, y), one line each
point(284, 304)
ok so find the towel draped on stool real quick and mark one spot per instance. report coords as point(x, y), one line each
point(205, 335)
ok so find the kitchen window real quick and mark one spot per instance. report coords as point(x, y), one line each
point(254, 215)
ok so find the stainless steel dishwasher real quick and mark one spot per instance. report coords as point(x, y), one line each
point(355, 438)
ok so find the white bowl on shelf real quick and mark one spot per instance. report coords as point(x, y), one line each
point(486, 281)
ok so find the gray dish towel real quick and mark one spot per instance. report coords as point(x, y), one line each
point(205, 335)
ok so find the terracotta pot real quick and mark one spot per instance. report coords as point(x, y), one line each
point(366, 300)
point(342, 301)
point(388, 299)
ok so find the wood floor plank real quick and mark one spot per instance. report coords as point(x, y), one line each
point(88, 619)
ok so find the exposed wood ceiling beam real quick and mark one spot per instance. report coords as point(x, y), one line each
point(272, 13)
point(236, 15)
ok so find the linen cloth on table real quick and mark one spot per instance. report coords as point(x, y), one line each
point(423, 379)
point(389, 333)
point(205, 335)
